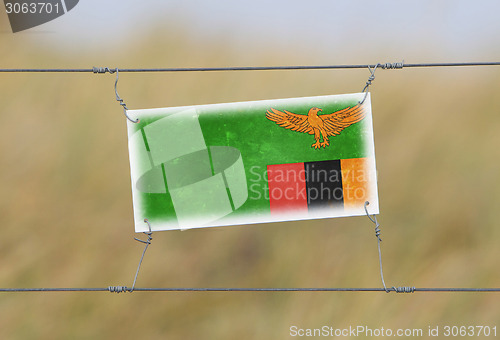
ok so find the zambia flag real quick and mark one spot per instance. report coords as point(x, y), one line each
point(252, 162)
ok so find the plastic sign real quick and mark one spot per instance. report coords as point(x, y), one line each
point(252, 162)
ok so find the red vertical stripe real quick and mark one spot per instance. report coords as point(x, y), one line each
point(287, 188)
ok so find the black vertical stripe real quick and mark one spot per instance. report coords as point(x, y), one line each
point(324, 184)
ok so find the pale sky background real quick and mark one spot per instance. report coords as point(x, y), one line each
point(339, 31)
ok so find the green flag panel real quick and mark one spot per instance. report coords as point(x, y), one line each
point(252, 162)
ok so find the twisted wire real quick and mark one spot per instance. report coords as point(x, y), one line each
point(251, 68)
point(379, 239)
point(102, 70)
point(147, 242)
point(118, 99)
point(377, 234)
point(120, 289)
point(404, 289)
point(369, 82)
point(392, 66)
point(117, 289)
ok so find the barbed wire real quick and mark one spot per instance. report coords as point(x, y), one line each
point(398, 65)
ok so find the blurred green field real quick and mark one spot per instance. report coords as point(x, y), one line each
point(66, 207)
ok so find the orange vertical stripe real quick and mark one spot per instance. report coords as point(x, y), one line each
point(355, 179)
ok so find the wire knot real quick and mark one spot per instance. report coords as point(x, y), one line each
point(370, 78)
point(118, 289)
point(102, 70)
point(148, 233)
point(369, 81)
point(378, 232)
point(402, 289)
point(392, 66)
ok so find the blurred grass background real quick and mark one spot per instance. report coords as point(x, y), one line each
point(66, 208)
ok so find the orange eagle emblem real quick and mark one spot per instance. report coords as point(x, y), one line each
point(320, 126)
